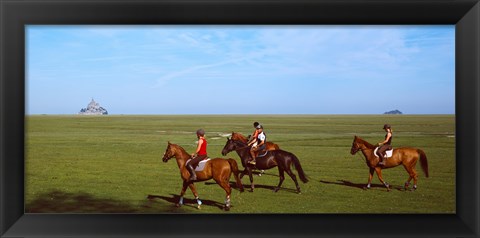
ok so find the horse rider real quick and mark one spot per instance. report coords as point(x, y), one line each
point(260, 143)
point(385, 144)
point(255, 133)
point(199, 155)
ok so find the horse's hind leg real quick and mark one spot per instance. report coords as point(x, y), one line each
point(281, 174)
point(412, 175)
point(294, 178)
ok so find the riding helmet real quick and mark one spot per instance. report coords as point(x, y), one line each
point(259, 126)
point(200, 132)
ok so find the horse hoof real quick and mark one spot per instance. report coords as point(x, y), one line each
point(227, 208)
point(199, 207)
point(365, 188)
point(178, 205)
point(251, 190)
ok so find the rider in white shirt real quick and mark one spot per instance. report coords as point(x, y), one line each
point(258, 144)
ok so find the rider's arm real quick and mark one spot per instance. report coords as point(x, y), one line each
point(253, 138)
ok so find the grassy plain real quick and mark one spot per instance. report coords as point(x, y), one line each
point(112, 164)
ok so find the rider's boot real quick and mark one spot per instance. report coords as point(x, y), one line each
point(382, 160)
point(193, 176)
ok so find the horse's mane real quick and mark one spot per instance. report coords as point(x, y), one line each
point(240, 136)
point(181, 149)
point(368, 145)
point(238, 142)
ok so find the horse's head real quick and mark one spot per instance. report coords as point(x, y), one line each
point(355, 146)
point(169, 152)
point(229, 146)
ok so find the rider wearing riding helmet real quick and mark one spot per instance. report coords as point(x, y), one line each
point(258, 144)
point(385, 144)
point(199, 155)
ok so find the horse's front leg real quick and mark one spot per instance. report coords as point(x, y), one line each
point(194, 191)
point(370, 177)
point(252, 186)
point(182, 193)
point(243, 172)
point(379, 174)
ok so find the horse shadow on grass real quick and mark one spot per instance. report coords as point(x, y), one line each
point(262, 186)
point(63, 202)
point(186, 201)
point(360, 185)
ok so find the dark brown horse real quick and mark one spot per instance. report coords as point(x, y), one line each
point(283, 159)
point(219, 169)
point(406, 156)
point(240, 137)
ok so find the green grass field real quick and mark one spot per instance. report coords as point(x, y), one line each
point(112, 164)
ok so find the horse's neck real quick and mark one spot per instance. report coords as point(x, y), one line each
point(182, 156)
point(368, 150)
point(243, 152)
point(367, 145)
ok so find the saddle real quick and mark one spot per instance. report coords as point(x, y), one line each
point(201, 164)
point(388, 153)
point(262, 153)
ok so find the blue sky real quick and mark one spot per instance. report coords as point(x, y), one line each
point(212, 69)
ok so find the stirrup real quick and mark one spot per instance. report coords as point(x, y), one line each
point(252, 162)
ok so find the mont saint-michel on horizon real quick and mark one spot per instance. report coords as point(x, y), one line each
point(93, 108)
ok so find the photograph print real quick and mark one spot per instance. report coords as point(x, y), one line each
point(248, 119)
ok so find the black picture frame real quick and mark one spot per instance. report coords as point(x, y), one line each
point(464, 14)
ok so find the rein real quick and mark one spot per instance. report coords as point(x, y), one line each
point(241, 148)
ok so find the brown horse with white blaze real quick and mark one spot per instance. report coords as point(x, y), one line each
point(219, 169)
point(406, 156)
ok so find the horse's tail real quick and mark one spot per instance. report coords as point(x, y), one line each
point(423, 161)
point(299, 169)
point(234, 168)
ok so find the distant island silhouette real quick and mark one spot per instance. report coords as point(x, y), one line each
point(93, 108)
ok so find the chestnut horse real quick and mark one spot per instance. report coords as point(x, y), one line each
point(219, 169)
point(273, 158)
point(406, 156)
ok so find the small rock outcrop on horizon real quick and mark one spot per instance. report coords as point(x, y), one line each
point(393, 112)
point(93, 108)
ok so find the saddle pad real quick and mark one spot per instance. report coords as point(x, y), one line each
point(389, 153)
point(201, 164)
